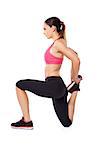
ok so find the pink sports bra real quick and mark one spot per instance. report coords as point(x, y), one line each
point(50, 59)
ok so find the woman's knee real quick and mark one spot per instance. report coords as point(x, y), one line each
point(67, 124)
point(19, 84)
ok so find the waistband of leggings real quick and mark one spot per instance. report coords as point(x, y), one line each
point(53, 77)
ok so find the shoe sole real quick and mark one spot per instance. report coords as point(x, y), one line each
point(25, 128)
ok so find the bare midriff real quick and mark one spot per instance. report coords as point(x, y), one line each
point(52, 70)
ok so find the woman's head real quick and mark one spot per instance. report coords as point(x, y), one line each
point(52, 26)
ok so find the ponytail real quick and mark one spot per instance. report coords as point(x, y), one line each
point(63, 31)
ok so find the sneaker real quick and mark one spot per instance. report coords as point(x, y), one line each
point(73, 86)
point(22, 124)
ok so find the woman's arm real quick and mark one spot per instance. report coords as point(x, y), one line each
point(72, 72)
point(72, 55)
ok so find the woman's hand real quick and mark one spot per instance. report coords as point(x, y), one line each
point(76, 80)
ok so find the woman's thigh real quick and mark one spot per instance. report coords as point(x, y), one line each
point(51, 87)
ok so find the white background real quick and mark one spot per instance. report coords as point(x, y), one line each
point(22, 47)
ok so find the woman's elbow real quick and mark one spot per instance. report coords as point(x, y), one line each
point(77, 61)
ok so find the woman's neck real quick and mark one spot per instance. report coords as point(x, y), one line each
point(55, 37)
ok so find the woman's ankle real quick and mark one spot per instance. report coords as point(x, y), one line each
point(27, 119)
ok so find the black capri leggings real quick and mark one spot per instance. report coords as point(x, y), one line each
point(53, 87)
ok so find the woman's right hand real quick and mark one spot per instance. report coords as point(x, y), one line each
point(76, 79)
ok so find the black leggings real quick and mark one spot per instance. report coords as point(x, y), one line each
point(53, 87)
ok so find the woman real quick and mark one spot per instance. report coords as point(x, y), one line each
point(53, 86)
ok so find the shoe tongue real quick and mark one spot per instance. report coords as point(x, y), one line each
point(22, 118)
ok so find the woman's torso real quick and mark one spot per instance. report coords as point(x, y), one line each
point(54, 69)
